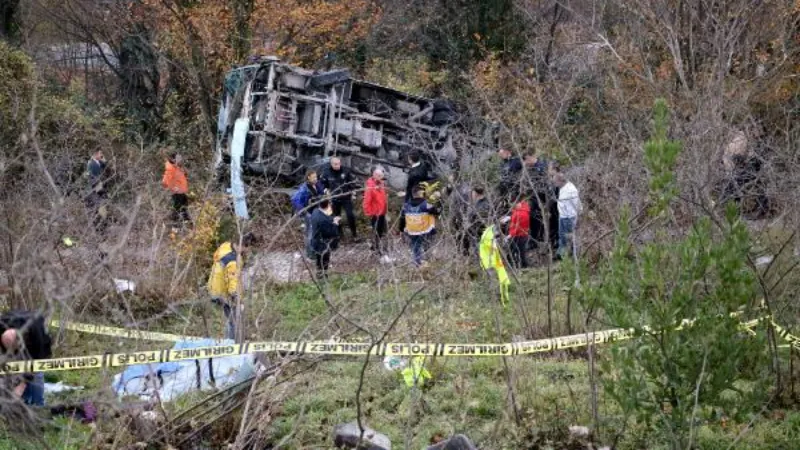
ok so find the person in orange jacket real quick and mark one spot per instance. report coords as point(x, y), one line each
point(175, 182)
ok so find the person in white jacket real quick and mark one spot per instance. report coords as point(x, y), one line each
point(569, 207)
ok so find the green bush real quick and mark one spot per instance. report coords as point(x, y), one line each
point(674, 375)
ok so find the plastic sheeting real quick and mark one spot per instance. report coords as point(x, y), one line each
point(173, 379)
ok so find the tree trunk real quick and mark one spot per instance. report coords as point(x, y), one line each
point(241, 33)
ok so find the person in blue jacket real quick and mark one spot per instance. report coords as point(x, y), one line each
point(305, 200)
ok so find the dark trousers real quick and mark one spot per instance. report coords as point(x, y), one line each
point(307, 235)
point(98, 211)
point(180, 208)
point(544, 211)
point(230, 316)
point(347, 205)
point(552, 224)
point(34, 391)
point(538, 214)
point(378, 224)
point(468, 243)
point(566, 236)
point(323, 262)
point(419, 246)
point(519, 249)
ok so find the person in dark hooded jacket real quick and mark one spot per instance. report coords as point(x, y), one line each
point(510, 169)
point(419, 173)
point(479, 213)
point(324, 236)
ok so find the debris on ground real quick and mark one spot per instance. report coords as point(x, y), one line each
point(54, 388)
point(394, 363)
point(764, 260)
point(348, 435)
point(86, 412)
point(123, 286)
point(457, 442)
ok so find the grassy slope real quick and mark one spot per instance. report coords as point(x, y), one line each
point(467, 395)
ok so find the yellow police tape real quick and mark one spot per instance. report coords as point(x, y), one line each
point(121, 332)
point(340, 348)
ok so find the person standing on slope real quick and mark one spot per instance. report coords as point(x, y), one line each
point(175, 181)
point(376, 205)
point(418, 174)
point(509, 177)
point(223, 282)
point(304, 201)
point(518, 230)
point(418, 221)
point(24, 336)
point(569, 207)
point(340, 184)
point(324, 236)
point(479, 218)
point(537, 187)
point(96, 198)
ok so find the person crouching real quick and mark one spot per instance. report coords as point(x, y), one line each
point(418, 221)
point(324, 236)
point(24, 336)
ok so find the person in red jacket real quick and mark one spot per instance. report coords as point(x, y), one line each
point(518, 232)
point(376, 203)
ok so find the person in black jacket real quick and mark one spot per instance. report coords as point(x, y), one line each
point(479, 219)
point(552, 206)
point(96, 198)
point(509, 178)
point(419, 173)
point(324, 236)
point(23, 335)
point(536, 185)
point(340, 184)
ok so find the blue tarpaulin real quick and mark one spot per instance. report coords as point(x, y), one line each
point(172, 379)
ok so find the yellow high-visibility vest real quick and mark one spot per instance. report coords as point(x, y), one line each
point(415, 372)
point(491, 259)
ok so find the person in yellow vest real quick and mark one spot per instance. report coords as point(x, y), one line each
point(492, 260)
point(223, 282)
point(415, 373)
point(418, 221)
